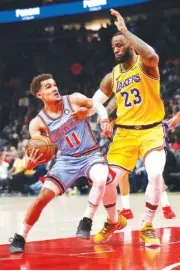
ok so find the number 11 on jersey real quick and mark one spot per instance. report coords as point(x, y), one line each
point(72, 140)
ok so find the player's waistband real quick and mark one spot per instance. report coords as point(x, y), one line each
point(139, 127)
point(79, 154)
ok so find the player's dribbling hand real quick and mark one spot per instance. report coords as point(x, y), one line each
point(81, 113)
point(32, 160)
point(107, 130)
point(120, 23)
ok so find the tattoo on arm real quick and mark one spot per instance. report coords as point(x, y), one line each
point(147, 53)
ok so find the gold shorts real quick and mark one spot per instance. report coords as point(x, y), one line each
point(128, 145)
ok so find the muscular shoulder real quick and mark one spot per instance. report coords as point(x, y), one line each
point(79, 99)
point(75, 97)
point(35, 121)
point(150, 67)
point(106, 84)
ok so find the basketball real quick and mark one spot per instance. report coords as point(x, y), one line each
point(44, 145)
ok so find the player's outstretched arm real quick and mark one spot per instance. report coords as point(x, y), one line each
point(81, 105)
point(102, 95)
point(146, 52)
point(86, 107)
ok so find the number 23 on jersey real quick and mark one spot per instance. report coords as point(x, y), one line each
point(136, 100)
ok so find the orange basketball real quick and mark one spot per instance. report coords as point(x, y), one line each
point(44, 145)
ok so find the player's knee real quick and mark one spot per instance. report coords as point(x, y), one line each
point(155, 176)
point(45, 196)
point(99, 175)
point(154, 163)
point(156, 183)
point(100, 182)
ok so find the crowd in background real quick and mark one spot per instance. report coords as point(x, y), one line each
point(78, 60)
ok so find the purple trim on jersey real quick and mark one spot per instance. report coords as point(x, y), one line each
point(162, 147)
point(157, 79)
point(166, 139)
point(120, 167)
point(166, 136)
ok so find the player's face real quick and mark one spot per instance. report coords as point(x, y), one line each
point(48, 91)
point(121, 48)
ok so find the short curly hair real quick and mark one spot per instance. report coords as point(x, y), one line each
point(36, 82)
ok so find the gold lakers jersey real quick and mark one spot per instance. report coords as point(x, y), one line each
point(137, 96)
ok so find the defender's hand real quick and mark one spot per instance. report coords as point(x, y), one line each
point(107, 130)
point(120, 23)
point(81, 113)
point(172, 123)
point(32, 160)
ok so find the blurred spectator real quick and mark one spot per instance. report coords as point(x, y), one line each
point(23, 180)
point(172, 171)
point(3, 175)
point(139, 179)
point(176, 144)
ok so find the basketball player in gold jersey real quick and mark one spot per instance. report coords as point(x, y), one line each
point(124, 186)
point(135, 82)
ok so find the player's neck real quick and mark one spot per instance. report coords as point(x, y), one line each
point(128, 64)
point(54, 108)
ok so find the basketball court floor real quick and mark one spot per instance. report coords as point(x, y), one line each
point(52, 243)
